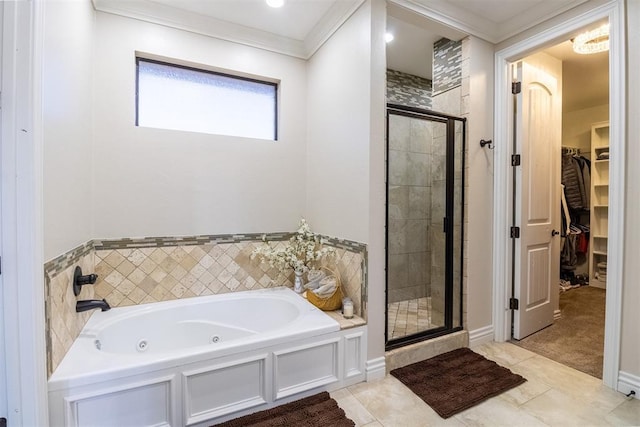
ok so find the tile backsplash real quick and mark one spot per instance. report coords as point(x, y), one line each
point(146, 270)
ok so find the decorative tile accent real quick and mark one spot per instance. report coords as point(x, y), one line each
point(447, 70)
point(408, 90)
point(63, 324)
point(138, 275)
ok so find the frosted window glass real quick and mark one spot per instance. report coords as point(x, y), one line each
point(173, 97)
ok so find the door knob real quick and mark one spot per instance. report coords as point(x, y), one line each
point(554, 233)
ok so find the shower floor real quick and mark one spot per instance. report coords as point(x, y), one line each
point(411, 316)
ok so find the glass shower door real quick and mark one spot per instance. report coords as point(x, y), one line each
point(424, 224)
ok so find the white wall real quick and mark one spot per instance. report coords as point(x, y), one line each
point(153, 182)
point(630, 351)
point(345, 146)
point(376, 304)
point(67, 111)
point(479, 196)
point(576, 126)
point(338, 131)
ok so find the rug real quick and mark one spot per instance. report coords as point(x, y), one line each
point(577, 338)
point(457, 380)
point(319, 410)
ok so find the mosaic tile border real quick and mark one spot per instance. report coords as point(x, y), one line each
point(156, 242)
point(57, 265)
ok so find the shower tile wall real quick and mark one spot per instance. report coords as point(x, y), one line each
point(408, 90)
point(447, 70)
point(410, 170)
point(139, 271)
point(409, 190)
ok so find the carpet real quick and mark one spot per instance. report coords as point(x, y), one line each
point(577, 338)
point(457, 380)
point(319, 410)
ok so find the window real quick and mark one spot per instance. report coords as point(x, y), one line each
point(184, 98)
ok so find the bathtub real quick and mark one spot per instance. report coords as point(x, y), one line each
point(202, 359)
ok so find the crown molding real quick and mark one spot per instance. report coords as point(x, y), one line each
point(156, 13)
point(463, 20)
point(523, 21)
point(329, 24)
point(453, 17)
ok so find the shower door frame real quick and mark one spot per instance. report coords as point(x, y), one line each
point(449, 222)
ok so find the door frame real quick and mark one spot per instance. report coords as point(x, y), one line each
point(22, 226)
point(503, 188)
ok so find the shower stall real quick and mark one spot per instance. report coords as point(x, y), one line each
point(424, 233)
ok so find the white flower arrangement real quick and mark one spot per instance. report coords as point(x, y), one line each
point(304, 248)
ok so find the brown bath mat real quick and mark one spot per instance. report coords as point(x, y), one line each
point(319, 410)
point(455, 381)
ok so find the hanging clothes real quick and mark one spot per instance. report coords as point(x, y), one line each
point(571, 183)
point(576, 177)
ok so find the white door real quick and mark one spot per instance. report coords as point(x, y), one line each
point(537, 202)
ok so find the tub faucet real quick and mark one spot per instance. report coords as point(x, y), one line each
point(90, 304)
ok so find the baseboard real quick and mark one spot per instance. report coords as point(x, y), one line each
point(557, 314)
point(481, 336)
point(628, 382)
point(375, 369)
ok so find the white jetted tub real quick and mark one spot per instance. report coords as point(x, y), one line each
point(198, 360)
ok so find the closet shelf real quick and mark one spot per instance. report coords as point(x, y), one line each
point(599, 207)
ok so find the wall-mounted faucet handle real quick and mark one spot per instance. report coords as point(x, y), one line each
point(80, 280)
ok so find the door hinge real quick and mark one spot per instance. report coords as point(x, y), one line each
point(515, 232)
point(513, 304)
point(515, 160)
point(516, 87)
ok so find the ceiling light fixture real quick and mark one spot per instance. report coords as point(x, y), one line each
point(592, 41)
point(388, 37)
point(275, 3)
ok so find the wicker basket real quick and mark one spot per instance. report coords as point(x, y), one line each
point(332, 302)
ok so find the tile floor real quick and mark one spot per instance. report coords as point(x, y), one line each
point(412, 316)
point(554, 395)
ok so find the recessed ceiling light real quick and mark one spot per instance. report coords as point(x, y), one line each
point(275, 3)
point(388, 37)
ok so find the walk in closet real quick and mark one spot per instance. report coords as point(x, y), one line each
point(585, 209)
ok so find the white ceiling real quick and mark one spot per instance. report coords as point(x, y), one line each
point(302, 26)
point(585, 78)
point(295, 21)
